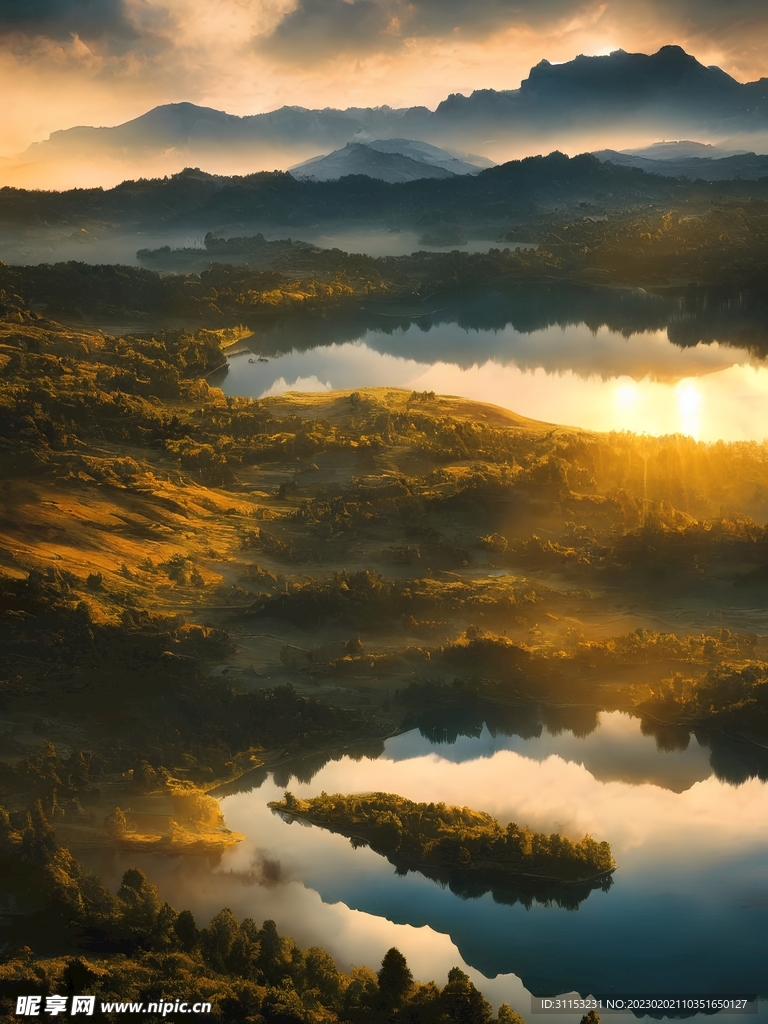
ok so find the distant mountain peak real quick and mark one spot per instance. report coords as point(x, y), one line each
point(391, 160)
point(627, 72)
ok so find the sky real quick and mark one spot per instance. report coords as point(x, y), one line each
point(101, 62)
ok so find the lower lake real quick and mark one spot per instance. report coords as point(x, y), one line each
point(687, 911)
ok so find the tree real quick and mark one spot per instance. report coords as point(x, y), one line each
point(38, 838)
point(283, 1006)
point(186, 931)
point(116, 823)
point(163, 935)
point(591, 1018)
point(218, 937)
point(277, 955)
point(462, 1003)
point(362, 995)
point(321, 973)
point(78, 976)
point(395, 978)
point(139, 903)
point(506, 1015)
point(244, 955)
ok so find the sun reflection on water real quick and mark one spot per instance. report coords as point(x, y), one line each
point(688, 400)
point(707, 394)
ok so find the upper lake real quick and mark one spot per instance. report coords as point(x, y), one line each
point(601, 359)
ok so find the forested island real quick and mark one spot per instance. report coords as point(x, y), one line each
point(469, 850)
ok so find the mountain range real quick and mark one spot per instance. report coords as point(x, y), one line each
point(667, 93)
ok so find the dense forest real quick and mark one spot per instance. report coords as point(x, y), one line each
point(503, 195)
point(132, 421)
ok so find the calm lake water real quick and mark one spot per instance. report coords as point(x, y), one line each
point(687, 912)
point(607, 359)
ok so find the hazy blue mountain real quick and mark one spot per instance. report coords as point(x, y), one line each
point(668, 92)
point(680, 150)
point(749, 166)
point(667, 85)
point(465, 163)
point(390, 160)
point(185, 126)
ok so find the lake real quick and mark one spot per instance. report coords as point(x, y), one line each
point(610, 359)
point(687, 911)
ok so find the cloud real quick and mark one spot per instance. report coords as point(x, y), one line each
point(320, 29)
point(61, 19)
point(311, 383)
point(326, 27)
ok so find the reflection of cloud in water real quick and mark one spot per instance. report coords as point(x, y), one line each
point(705, 845)
point(729, 405)
point(713, 401)
point(280, 386)
point(706, 821)
point(574, 347)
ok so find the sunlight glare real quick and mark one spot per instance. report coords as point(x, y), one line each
point(688, 403)
point(626, 396)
